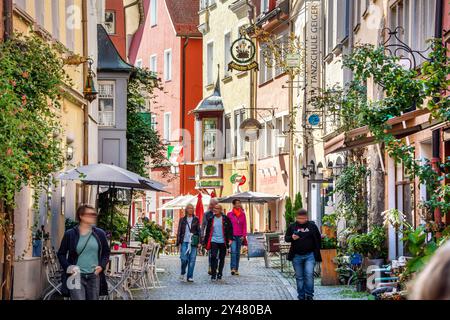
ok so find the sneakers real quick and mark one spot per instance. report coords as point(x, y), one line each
point(233, 272)
point(309, 298)
point(236, 273)
point(213, 277)
point(190, 280)
point(219, 277)
point(181, 277)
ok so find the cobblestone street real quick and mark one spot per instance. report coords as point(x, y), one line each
point(255, 283)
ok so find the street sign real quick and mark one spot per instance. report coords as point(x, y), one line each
point(314, 120)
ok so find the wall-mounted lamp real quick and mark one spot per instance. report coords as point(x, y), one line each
point(90, 93)
point(69, 153)
point(309, 170)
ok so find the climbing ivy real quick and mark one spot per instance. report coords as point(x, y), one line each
point(144, 143)
point(31, 80)
point(403, 89)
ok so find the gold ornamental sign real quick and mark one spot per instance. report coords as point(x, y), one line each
point(243, 52)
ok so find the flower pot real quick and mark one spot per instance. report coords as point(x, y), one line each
point(329, 276)
point(373, 262)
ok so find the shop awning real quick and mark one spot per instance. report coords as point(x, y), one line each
point(361, 137)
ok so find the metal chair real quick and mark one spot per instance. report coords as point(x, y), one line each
point(152, 270)
point(119, 282)
point(138, 277)
point(53, 272)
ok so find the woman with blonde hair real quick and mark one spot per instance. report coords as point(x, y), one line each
point(188, 238)
point(433, 283)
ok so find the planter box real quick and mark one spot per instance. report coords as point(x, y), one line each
point(328, 271)
point(29, 279)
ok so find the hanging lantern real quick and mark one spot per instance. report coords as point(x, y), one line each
point(90, 93)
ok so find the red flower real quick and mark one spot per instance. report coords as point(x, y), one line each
point(25, 74)
point(9, 152)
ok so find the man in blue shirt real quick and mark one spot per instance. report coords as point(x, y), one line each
point(218, 236)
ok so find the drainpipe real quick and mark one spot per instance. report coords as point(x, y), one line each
point(8, 21)
point(436, 135)
point(253, 104)
point(84, 23)
point(183, 113)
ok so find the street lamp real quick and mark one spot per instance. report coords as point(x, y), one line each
point(309, 170)
point(90, 93)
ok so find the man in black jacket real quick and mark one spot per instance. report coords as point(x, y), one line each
point(305, 240)
point(206, 217)
point(218, 237)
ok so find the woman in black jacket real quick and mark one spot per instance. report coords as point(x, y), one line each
point(83, 255)
point(188, 237)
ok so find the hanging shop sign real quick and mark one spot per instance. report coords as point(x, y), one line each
point(249, 129)
point(293, 60)
point(314, 120)
point(243, 52)
point(210, 184)
point(238, 179)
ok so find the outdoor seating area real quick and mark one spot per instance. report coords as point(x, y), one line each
point(131, 272)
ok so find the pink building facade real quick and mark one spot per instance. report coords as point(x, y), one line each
point(170, 45)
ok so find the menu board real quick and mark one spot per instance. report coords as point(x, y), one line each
point(256, 245)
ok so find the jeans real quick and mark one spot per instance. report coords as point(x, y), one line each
point(235, 252)
point(304, 274)
point(89, 290)
point(188, 259)
point(218, 253)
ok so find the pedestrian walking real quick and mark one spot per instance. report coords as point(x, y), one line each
point(433, 283)
point(206, 217)
point(239, 222)
point(84, 253)
point(305, 240)
point(188, 237)
point(218, 237)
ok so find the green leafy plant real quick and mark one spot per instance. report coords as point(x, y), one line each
point(289, 215)
point(350, 187)
point(329, 243)
point(153, 231)
point(144, 142)
point(329, 220)
point(371, 244)
point(298, 203)
point(69, 224)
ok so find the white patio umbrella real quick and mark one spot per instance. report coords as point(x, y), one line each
point(251, 197)
point(181, 202)
point(115, 178)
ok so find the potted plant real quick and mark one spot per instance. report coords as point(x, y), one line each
point(377, 250)
point(329, 276)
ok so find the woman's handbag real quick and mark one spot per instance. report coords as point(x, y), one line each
point(195, 240)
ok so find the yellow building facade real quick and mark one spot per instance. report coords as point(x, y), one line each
point(59, 22)
point(226, 154)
